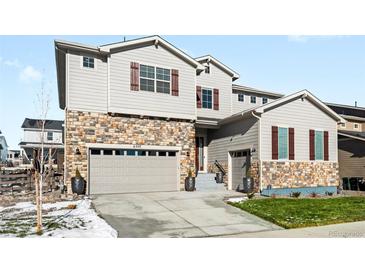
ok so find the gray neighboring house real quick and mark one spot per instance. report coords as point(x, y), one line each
point(351, 140)
point(3, 148)
point(141, 114)
point(52, 138)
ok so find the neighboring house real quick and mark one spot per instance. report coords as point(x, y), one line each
point(141, 114)
point(3, 148)
point(351, 140)
point(14, 157)
point(52, 139)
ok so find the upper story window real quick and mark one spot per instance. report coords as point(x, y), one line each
point(253, 99)
point(49, 136)
point(207, 69)
point(206, 98)
point(343, 125)
point(264, 100)
point(356, 126)
point(241, 97)
point(88, 62)
point(154, 79)
point(283, 143)
point(318, 145)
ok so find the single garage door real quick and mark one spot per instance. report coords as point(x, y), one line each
point(129, 170)
point(239, 168)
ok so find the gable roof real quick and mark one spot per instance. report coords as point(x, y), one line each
point(219, 64)
point(49, 124)
point(347, 110)
point(154, 40)
point(255, 90)
point(278, 102)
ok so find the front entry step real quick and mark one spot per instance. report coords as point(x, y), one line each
point(206, 182)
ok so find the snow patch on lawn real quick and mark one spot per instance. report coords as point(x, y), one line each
point(236, 199)
point(58, 221)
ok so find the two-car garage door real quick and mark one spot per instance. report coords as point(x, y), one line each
point(132, 170)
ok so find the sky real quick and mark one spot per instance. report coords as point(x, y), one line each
point(331, 67)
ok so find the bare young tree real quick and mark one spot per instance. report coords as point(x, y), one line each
point(42, 108)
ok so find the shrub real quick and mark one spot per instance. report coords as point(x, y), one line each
point(313, 194)
point(329, 193)
point(78, 175)
point(295, 194)
point(71, 206)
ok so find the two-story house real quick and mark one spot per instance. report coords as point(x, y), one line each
point(52, 138)
point(141, 114)
point(351, 140)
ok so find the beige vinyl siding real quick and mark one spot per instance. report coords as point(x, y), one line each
point(302, 116)
point(36, 136)
point(349, 125)
point(87, 88)
point(123, 100)
point(222, 81)
point(351, 158)
point(238, 106)
point(242, 134)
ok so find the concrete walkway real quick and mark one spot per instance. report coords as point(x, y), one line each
point(177, 214)
point(346, 230)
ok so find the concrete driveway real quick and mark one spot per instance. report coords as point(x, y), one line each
point(176, 214)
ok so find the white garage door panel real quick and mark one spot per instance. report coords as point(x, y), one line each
point(123, 173)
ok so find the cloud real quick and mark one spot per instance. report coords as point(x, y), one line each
point(29, 73)
point(298, 38)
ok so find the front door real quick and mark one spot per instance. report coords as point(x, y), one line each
point(199, 153)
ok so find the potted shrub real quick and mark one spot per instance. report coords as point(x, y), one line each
point(78, 183)
point(219, 178)
point(247, 182)
point(190, 181)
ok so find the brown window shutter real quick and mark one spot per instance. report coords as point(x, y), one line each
point(198, 96)
point(134, 76)
point(216, 99)
point(291, 144)
point(175, 82)
point(311, 145)
point(325, 142)
point(274, 142)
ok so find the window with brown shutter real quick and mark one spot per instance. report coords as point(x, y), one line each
point(311, 145)
point(216, 99)
point(291, 144)
point(274, 142)
point(325, 143)
point(198, 96)
point(175, 82)
point(134, 76)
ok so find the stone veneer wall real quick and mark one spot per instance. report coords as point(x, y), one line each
point(299, 174)
point(89, 127)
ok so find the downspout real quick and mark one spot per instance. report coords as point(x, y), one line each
point(260, 167)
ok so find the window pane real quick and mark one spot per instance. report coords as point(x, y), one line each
point(253, 99)
point(141, 152)
point(318, 145)
point(108, 152)
point(88, 62)
point(172, 153)
point(163, 74)
point(131, 152)
point(283, 143)
point(95, 151)
point(152, 153)
point(264, 100)
point(147, 85)
point(163, 87)
point(147, 71)
point(119, 152)
point(207, 98)
point(241, 97)
point(162, 153)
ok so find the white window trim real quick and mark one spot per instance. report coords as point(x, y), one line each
point(155, 78)
point(238, 97)
point(82, 62)
point(358, 126)
point(287, 155)
point(211, 90)
point(255, 99)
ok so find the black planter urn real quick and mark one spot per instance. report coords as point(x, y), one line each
point(219, 178)
point(189, 183)
point(78, 185)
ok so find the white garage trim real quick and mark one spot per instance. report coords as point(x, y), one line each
point(176, 149)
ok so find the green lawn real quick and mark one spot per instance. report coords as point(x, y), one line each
point(293, 213)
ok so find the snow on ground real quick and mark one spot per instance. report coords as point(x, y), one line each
point(236, 199)
point(58, 221)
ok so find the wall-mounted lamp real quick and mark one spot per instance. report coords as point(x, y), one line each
point(77, 152)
